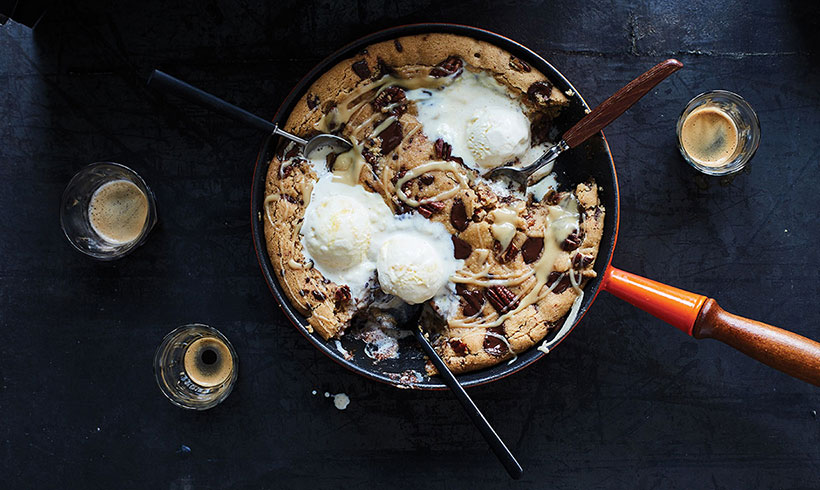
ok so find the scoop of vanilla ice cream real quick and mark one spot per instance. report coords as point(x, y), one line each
point(337, 232)
point(497, 135)
point(410, 267)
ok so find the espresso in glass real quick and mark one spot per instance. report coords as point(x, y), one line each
point(107, 210)
point(718, 132)
point(195, 366)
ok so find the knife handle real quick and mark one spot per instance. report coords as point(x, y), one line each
point(619, 102)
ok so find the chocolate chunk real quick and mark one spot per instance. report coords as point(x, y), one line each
point(472, 299)
point(459, 347)
point(573, 241)
point(290, 199)
point(502, 299)
point(494, 345)
point(398, 45)
point(519, 64)
point(451, 65)
point(318, 295)
point(461, 249)
point(539, 93)
point(580, 261)
point(456, 159)
point(430, 208)
point(563, 283)
point(458, 215)
point(391, 137)
point(360, 68)
point(331, 159)
point(510, 253)
point(442, 149)
point(312, 101)
point(391, 96)
point(426, 179)
point(532, 248)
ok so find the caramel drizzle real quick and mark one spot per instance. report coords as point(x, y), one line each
point(562, 220)
point(355, 100)
point(452, 168)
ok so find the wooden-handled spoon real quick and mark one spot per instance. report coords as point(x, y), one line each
point(596, 120)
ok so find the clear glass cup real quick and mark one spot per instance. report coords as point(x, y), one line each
point(745, 120)
point(74, 210)
point(196, 366)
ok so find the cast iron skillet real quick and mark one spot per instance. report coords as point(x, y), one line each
point(694, 314)
point(593, 158)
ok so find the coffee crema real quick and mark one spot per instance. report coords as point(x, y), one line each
point(208, 362)
point(118, 211)
point(710, 136)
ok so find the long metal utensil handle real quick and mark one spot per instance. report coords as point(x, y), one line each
point(167, 83)
point(619, 102)
point(496, 444)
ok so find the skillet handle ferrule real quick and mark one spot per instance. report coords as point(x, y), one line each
point(785, 351)
point(675, 306)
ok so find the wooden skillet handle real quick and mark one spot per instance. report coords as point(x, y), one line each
point(702, 318)
point(785, 351)
point(619, 102)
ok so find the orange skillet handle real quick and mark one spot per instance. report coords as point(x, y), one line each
point(702, 318)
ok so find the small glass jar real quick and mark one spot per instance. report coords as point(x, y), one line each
point(746, 130)
point(195, 366)
point(75, 215)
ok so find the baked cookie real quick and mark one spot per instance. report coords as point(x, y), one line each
point(516, 262)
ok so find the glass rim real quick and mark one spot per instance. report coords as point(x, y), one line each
point(150, 220)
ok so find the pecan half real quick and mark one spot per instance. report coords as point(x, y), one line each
point(447, 67)
point(580, 261)
point(519, 64)
point(502, 299)
point(573, 241)
point(342, 294)
point(391, 96)
point(430, 208)
point(442, 149)
point(509, 254)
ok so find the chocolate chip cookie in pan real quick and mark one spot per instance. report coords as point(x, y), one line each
point(407, 213)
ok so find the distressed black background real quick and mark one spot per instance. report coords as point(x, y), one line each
point(625, 402)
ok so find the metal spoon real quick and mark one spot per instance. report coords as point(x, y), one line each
point(167, 83)
point(592, 123)
point(496, 444)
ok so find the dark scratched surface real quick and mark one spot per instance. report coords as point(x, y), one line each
point(625, 402)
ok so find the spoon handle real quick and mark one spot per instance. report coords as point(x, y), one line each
point(496, 444)
point(167, 83)
point(619, 102)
